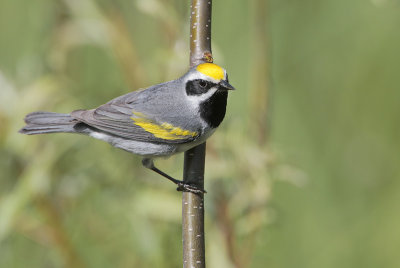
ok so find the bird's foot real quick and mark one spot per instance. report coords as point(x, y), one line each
point(192, 188)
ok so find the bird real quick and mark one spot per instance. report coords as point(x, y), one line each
point(158, 121)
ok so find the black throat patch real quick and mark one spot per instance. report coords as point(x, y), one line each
point(213, 109)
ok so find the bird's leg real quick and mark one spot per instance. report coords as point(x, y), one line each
point(182, 186)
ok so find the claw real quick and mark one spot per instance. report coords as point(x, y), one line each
point(186, 187)
point(182, 186)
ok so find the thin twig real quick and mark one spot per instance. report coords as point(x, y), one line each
point(193, 204)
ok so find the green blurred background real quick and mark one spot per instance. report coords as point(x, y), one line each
point(304, 171)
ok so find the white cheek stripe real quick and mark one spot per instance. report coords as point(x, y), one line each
point(197, 99)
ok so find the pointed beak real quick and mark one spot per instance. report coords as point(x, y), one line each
point(225, 85)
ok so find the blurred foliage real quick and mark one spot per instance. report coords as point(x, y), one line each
point(315, 185)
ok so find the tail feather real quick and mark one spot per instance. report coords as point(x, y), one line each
point(48, 122)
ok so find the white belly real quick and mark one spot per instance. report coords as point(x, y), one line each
point(149, 149)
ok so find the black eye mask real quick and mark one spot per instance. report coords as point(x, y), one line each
point(199, 87)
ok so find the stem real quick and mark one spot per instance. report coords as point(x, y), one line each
point(193, 172)
point(200, 32)
point(193, 210)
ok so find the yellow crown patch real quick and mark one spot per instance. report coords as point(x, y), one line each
point(212, 70)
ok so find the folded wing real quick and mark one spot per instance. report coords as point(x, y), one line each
point(119, 118)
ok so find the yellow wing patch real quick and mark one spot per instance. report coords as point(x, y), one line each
point(212, 70)
point(164, 131)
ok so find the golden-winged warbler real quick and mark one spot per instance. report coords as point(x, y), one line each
point(161, 120)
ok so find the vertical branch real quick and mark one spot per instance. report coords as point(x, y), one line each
point(193, 204)
point(200, 32)
point(193, 210)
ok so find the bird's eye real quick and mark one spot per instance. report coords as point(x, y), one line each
point(199, 86)
point(203, 84)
